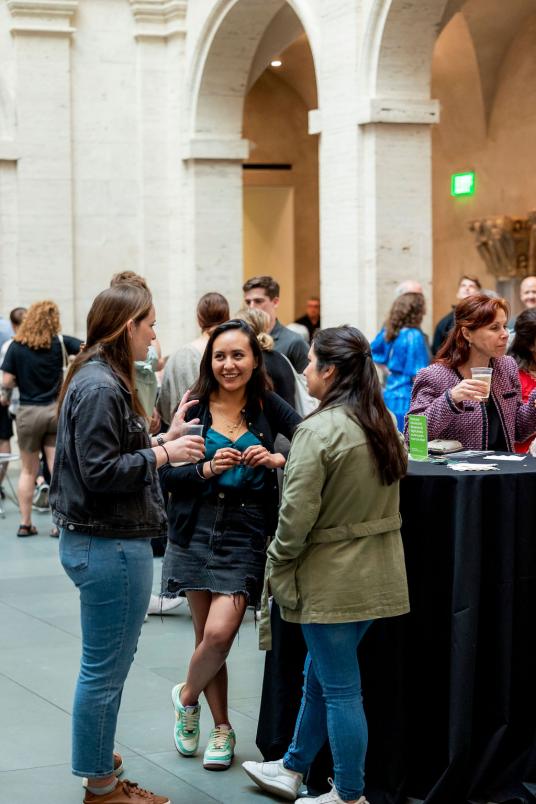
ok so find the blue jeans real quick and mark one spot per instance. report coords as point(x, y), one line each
point(115, 578)
point(332, 706)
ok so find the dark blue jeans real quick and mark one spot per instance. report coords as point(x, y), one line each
point(114, 577)
point(332, 706)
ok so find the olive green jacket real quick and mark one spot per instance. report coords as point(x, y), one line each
point(337, 554)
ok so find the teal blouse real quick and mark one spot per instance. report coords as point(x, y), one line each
point(239, 477)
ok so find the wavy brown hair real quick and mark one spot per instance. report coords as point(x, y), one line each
point(357, 387)
point(107, 335)
point(472, 313)
point(41, 323)
point(407, 311)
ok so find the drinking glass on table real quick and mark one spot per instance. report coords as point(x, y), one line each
point(483, 374)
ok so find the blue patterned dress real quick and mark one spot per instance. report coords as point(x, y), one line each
point(404, 357)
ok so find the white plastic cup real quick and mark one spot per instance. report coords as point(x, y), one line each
point(189, 430)
point(192, 429)
point(483, 374)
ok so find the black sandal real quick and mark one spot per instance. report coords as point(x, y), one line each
point(27, 530)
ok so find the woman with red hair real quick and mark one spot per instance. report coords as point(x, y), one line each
point(454, 404)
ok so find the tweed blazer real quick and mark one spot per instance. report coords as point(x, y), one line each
point(468, 421)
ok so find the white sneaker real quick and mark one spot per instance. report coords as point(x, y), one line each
point(163, 605)
point(40, 497)
point(329, 798)
point(275, 778)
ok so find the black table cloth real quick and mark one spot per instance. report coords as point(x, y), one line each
point(450, 689)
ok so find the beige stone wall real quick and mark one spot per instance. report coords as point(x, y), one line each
point(497, 141)
point(276, 124)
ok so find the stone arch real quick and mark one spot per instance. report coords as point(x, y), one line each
point(395, 113)
point(220, 65)
point(398, 47)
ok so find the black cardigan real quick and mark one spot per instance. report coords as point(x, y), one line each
point(187, 489)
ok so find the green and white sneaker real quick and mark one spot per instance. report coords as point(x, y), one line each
point(220, 748)
point(186, 731)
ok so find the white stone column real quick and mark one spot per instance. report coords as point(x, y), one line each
point(42, 33)
point(215, 217)
point(160, 34)
point(344, 295)
point(395, 205)
point(9, 279)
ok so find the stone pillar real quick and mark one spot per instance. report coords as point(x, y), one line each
point(160, 30)
point(344, 296)
point(9, 280)
point(215, 217)
point(395, 205)
point(42, 36)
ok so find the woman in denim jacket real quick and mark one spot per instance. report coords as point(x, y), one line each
point(107, 503)
point(456, 406)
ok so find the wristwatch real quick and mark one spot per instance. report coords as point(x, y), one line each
point(160, 440)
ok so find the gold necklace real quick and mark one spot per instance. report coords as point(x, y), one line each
point(232, 427)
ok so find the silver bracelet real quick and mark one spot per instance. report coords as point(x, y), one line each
point(200, 473)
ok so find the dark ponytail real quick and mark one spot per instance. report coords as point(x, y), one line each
point(356, 385)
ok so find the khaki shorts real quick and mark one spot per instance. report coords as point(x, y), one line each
point(37, 426)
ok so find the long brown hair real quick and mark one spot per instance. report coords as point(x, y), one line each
point(472, 313)
point(356, 386)
point(107, 335)
point(41, 323)
point(407, 311)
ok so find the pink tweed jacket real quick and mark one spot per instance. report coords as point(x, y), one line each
point(468, 422)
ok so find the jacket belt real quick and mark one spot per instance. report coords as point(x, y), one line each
point(356, 530)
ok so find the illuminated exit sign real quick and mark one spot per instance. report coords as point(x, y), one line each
point(463, 184)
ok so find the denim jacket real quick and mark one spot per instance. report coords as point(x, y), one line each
point(188, 489)
point(105, 480)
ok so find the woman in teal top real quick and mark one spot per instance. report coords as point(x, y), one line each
point(239, 476)
point(222, 513)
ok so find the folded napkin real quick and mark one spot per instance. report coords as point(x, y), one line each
point(505, 457)
point(472, 467)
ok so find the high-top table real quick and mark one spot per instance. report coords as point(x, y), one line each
point(449, 689)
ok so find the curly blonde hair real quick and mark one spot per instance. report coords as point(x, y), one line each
point(407, 311)
point(40, 324)
point(259, 321)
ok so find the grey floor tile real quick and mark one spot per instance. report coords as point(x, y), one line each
point(35, 733)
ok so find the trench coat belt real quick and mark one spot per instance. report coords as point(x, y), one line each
point(355, 530)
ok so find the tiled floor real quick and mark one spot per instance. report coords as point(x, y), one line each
point(39, 656)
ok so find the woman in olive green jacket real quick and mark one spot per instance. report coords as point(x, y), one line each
point(336, 562)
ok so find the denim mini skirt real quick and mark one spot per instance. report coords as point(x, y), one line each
point(227, 551)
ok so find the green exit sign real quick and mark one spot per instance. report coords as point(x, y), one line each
point(463, 183)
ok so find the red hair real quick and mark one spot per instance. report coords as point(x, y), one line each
point(472, 313)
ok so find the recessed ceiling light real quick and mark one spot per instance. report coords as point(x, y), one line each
point(276, 63)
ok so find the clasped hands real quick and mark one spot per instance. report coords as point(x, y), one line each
point(256, 455)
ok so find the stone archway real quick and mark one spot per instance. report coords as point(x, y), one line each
point(219, 69)
point(395, 114)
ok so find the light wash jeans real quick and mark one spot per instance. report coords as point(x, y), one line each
point(115, 578)
point(332, 706)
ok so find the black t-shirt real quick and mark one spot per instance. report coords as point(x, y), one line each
point(280, 372)
point(38, 372)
